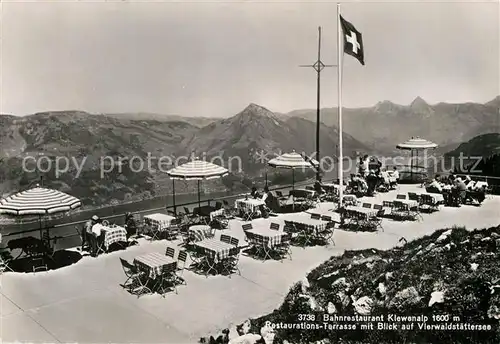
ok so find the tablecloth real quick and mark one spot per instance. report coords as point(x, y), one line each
point(350, 200)
point(152, 263)
point(361, 212)
point(161, 221)
point(113, 235)
point(303, 221)
point(437, 198)
point(216, 213)
point(214, 249)
point(200, 232)
point(251, 204)
point(265, 236)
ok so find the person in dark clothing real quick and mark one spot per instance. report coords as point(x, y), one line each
point(318, 188)
point(130, 225)
point(87, 231)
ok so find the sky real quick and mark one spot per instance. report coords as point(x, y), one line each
point(212, 59)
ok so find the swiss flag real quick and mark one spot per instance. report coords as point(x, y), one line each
point(353, 42)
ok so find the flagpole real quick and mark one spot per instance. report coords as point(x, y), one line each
point(340, 51)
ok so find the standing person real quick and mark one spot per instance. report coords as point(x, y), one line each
point(95, 233)
point(130, 225)
point(395, 174)
point(87, 231)
point(366, 165)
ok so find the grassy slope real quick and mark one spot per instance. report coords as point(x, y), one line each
point(434, 263)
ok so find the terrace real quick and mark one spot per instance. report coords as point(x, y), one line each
point(85, 303)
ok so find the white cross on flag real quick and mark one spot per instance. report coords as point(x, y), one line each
point(353, 42)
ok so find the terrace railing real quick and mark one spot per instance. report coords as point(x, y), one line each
point(67, 235)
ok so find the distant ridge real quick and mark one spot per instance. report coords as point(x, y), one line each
point(386, 124)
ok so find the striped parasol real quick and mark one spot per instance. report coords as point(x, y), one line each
point(196, 170)
point(38, 201)
point(416, 143)
point(293, 161)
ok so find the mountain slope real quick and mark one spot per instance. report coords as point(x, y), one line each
point(258, 130)
point(480, 146)
point(451, 273)
point(387, 124)
point(145, 116)
point(87, 140)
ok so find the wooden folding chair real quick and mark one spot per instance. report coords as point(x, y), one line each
point(181, 259)
point(167, 279)
point(247, 227)
point(230, 264)
point(225, 238)
point(234, 241)
point(283, 249)
point(170, 252)
point(174, 229)
point(130, 271)
point(138, 279)
point(316, 216)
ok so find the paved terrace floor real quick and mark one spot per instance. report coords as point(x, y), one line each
point(84, 303)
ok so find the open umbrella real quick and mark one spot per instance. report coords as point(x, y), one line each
point(414, 145)
point(293, 161)
point(196, 170)
point(38, 201)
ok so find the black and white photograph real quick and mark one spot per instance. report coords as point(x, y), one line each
point(250, 172)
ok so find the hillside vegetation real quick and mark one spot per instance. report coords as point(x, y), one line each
point(452, 274)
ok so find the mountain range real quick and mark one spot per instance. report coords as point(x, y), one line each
point(387, 124)
point(253, 135)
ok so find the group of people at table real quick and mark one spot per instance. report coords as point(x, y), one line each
point(457, 191)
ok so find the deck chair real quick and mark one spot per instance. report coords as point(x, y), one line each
point(170, 252)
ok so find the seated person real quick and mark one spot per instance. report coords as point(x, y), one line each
point(264, 211)
point(318, 188)
point(130, 225)
point(469, 183)
point(371, 182)
point(434, 187)
point(462, 189)
point(253, 193)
